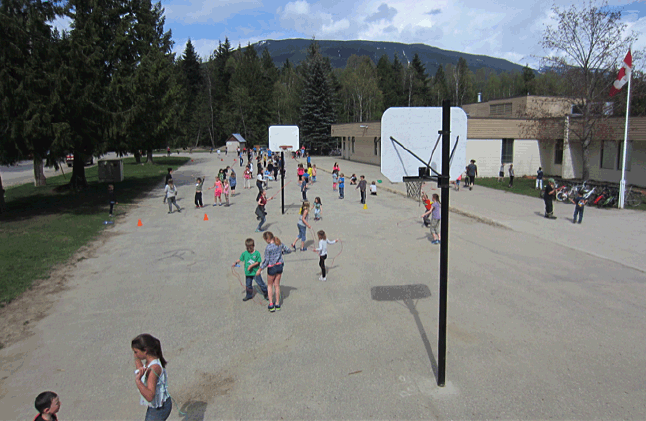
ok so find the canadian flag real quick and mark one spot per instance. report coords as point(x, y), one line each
point(624, 74)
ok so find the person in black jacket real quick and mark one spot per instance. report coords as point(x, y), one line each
point(112, 198)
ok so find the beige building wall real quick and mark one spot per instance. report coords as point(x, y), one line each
point(487, 153)
point(527, 157)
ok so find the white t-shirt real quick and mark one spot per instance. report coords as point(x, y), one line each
point(373, 188)
point(322, 249)
point(259, 177)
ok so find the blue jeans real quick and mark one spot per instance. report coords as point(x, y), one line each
point(578, 211)
point(259, 281)
point(160, 414)
point(262, 221)
point(302, 230)
point(341, 189)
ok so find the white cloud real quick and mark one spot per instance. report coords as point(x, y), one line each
point(384, 13)
point(312, 20)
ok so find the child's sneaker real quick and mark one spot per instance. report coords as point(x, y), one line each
point(277, 307)
point(271, 308)
point(324, 279)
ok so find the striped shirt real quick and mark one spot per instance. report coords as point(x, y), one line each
point(274, 255)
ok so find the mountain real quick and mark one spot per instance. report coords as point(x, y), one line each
point(339, 51)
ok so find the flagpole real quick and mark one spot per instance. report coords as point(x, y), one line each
point(622, 183)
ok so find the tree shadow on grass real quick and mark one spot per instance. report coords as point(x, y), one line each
point(26, 201)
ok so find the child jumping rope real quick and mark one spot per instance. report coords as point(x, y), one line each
point(274, 263)
point(435, 218)
point(318, 206)
point(217, 193)
point(302, 225)
point(150, 377)
point(322, 251)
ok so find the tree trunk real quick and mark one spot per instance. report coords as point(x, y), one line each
point(78, 180)
point(585, 146)
point(149, 156)
point(137, 156)
point(39, 173)
point(3, 207)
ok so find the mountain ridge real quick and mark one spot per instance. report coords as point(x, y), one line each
point(295, 49)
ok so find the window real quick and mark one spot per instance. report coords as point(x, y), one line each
point(377, 141)
point(343, 144)
point(507, 156)
point(558, 152)
point(620, 156)
point(500, 110)
point(608, 154)
point(352, 144)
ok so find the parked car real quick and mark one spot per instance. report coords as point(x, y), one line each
point(69, 159)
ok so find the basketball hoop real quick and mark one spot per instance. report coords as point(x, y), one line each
point(414, 186)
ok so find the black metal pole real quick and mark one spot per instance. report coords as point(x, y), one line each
point(444, 245)
point(282, 181)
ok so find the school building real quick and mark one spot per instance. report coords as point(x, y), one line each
point(500, 131)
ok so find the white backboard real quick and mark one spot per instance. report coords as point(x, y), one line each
point(417, 129)
point(283, 136)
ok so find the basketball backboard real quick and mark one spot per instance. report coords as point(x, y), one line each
point(416, 128)
point(283, 136)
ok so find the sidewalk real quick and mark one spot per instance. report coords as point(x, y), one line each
point(613, 234)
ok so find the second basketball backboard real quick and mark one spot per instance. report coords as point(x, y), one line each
point(281, 136)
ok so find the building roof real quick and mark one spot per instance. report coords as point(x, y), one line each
point(238, 137)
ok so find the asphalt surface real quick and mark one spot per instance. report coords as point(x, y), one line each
point(542, 322)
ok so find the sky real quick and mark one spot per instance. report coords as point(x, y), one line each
point(509, 29)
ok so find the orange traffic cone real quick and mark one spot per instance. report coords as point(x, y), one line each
point(206, 218)
point(139, 224)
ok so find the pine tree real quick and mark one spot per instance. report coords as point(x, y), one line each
point(439, 91)
point(317, 103)
point(27, 72)
point(287, 94)
point(416, 83)
point(194, 94)
point(387, 82)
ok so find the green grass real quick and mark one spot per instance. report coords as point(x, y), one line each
point(525, 186)
point(44, 226)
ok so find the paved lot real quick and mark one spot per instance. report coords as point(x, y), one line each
point(539, 326)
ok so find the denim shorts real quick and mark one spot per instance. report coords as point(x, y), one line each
point(160, 414)
point(275, 270)
point(302, 230)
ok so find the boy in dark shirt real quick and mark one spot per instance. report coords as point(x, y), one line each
point(579, 204)
point(472, 172)
point(362, 187)
point(47, 404)
point(112, 198)
point(549, 195)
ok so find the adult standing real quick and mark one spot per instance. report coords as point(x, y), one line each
point(472, 172)
point(548, 197)
point(511, 175)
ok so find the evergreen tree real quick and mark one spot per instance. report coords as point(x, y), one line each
point(528, 79)
point(251, 94)
point(194, 95)
point(217, 79)
point(387, 80)
point(317, 104)
point(416, 83)
point(399, 78)
point(27, 70)
point(287, 94)
point(439, 91)
point(92, 55)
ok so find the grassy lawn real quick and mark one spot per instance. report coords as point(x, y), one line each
point(45, 226)
point(525, 186)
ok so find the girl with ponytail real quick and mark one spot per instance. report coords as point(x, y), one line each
point(151, 378)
